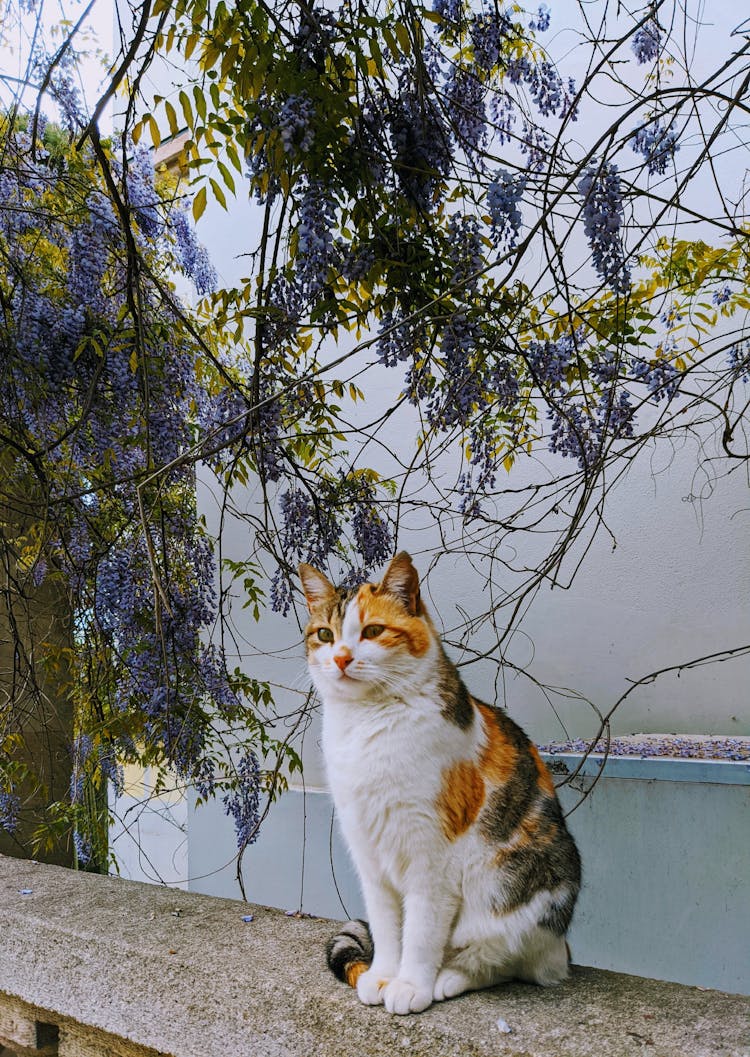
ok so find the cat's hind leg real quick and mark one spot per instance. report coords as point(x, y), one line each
point(545, 959)
point(474, 967)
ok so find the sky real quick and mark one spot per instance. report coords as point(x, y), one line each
point(17, 35)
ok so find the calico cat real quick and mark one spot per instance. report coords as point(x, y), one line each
point(468, 871)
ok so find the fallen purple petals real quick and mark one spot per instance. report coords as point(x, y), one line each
point(676, 746)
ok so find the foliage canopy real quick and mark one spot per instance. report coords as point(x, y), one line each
point(527, 254)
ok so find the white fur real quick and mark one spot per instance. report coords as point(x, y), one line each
point(429, 901)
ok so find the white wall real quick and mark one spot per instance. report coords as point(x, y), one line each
point(666, 581)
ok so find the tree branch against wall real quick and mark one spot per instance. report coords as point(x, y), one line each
point(540, 263)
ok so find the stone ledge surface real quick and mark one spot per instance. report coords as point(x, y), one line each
point(162, 971)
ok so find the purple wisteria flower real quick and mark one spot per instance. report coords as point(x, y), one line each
point(10, 810)
point(399, 337)
point(83, 847)
point(504, 194)
point(465, 252)
point(191, 254)
point(661, 377)
point(315, 245)
point(421, 144)
point(465, 101)
point(142, 194)
point(372, 537)
point(489, 32)
point(658, 145)
point(549, 92)
point(603, 217)
point(541, 21)
point(502, 112)
point(646, 42)
point(310, 531)
point(739, 360)
point(296, 124)
point(448, 9)
point(242, 802)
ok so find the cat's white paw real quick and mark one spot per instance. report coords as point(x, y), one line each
point(449, 983)
point(370, 987)
point(401, 997)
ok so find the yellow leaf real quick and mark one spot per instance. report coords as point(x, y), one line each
point(153, 128)
point(199, 204)
point(218, 193)
point(234, 157)
point(171, 117)
point(403, 38)
point(391, 42)
point(187, 108)
point(376, 54)
point(200, 102)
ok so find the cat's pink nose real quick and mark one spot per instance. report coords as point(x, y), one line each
point(343, 660)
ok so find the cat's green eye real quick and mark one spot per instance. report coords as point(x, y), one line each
point(325, 634)
point(372, 631)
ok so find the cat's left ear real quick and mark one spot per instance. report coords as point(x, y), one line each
point(401, 580)
point(316, 587)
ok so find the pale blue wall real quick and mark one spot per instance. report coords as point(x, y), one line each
point(666, 869)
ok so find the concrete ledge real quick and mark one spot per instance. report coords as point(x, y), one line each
point(95, 965)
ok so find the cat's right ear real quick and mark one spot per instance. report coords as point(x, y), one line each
point(316, 587)
point(401, 579)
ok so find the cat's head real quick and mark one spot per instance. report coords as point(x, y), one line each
point(368, 640)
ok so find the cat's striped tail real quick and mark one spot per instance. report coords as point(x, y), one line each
point(349, 953)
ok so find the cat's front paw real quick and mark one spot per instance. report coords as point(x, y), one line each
point(402, 996)
point(370, 987)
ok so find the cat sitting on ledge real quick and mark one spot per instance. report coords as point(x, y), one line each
point(468, 871)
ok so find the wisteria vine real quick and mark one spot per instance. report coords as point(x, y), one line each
point(431, 204)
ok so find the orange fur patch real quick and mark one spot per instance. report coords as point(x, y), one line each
point(546, 781)
point(353, 972)
point(460, 799)
point(399, 626)
point(527, 833)
point(498, 759)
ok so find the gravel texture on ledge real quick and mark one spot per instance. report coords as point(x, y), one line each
point(135, 970)
point(672, 746)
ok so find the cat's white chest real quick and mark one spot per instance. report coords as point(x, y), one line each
point(385, 769)
point(362, 743)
